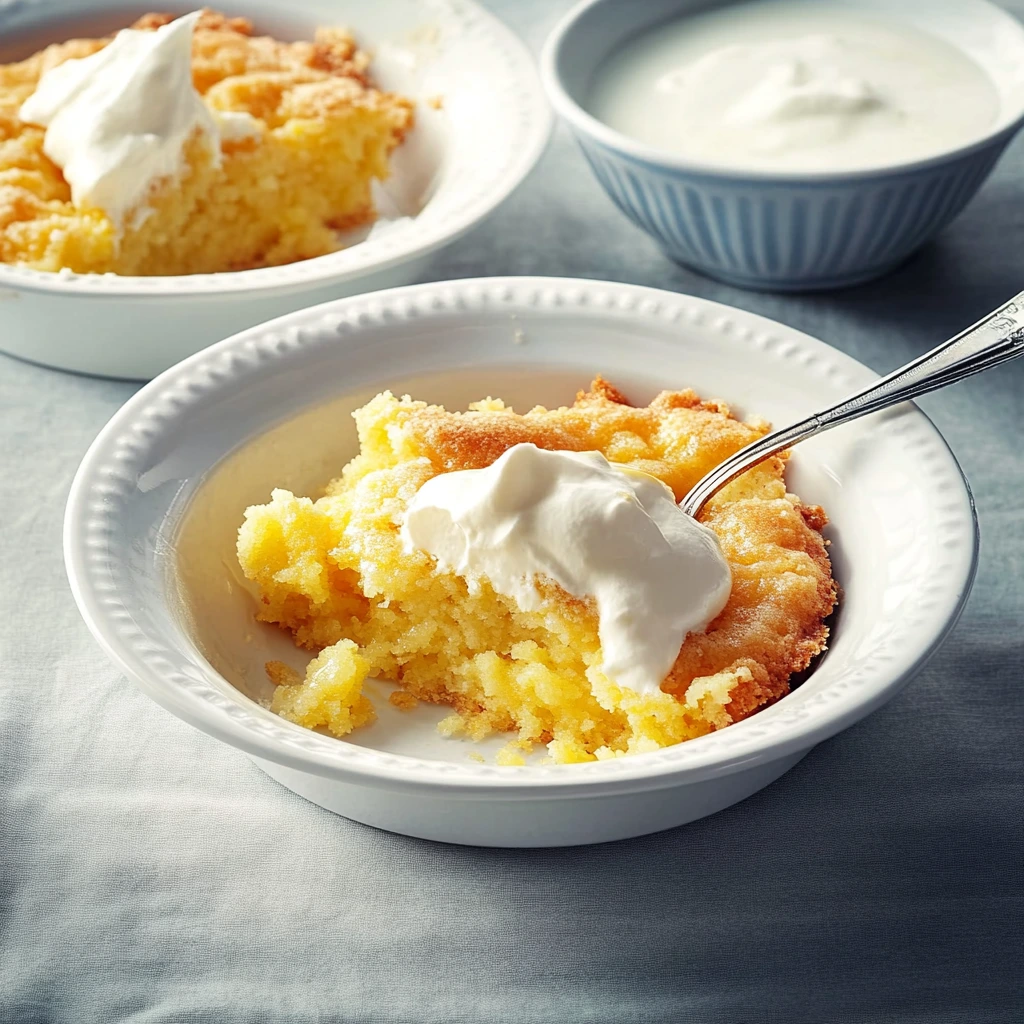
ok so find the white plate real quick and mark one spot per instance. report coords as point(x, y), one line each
point(153, 512)
point(454, 168)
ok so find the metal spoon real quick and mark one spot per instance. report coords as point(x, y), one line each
point(994, 339)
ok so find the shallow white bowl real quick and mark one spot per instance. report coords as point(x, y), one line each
point(454, 168)
point(154, 509)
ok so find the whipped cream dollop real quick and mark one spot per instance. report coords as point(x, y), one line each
point(118, 120)
point(795, 86)
point(598, 530)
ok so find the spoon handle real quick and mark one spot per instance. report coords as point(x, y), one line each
point(994, 339)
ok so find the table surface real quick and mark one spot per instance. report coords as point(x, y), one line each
point(149, 873)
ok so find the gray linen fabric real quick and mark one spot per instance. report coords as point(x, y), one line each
point(148, 873)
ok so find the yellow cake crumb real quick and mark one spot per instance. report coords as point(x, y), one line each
point(330, 696)
point(511, 755)
point(324, 133)
point(334, 570)
point(281, 674)
point(403, 700)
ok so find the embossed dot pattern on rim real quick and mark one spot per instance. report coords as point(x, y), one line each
point(466, 201)
point(98, 563)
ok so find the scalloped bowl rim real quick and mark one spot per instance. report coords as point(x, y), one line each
point(533, 120)
point(146, 420)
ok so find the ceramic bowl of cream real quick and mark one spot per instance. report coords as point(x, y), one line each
point(793, 145)
point(456, 166)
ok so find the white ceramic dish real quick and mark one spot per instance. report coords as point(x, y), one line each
point(153, 512)
point(456, 166)
point(785, 231)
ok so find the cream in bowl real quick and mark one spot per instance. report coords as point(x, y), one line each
point(790, 144)
point(783, 86)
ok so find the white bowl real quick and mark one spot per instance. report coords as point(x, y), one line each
point(154, 510)
point(785, 230)
point(454, 168)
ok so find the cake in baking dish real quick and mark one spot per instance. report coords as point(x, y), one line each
point(289, 138)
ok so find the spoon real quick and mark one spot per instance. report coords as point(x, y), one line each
point(994, 339)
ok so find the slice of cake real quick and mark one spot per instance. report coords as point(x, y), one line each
point(339, 570)
point(188, 147)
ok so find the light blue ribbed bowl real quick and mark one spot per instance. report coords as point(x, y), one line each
point(785, 231)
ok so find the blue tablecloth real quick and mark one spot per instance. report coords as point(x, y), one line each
point(149, 873)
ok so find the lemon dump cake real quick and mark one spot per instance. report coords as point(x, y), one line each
point(189, 146)
point(389, 574)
